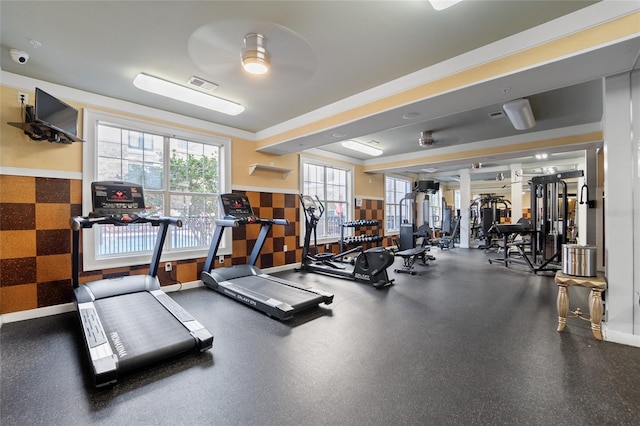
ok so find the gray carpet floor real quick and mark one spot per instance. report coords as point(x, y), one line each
point(462, 342)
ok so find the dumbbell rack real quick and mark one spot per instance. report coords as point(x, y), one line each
point(359, 239)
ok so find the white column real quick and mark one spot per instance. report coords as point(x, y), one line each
point(620, 183)
point(516, 192)
point(465, 202)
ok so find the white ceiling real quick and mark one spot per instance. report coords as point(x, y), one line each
point(323, 52)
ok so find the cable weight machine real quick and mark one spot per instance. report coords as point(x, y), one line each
point(549, 217)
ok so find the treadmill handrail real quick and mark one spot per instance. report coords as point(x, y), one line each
point(88, 221)
point(80, 222)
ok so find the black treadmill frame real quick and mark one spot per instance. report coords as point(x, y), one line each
point(104, 362)
point(221, 279)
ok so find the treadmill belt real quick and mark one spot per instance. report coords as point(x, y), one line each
point(140, 330)
point(264, 288)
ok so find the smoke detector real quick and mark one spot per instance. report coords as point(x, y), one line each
point(425, 139)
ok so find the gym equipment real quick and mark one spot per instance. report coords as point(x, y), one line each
point(247, 284)
point(369, 266)
point(509, 232)
point(410, 255)
point(484, 213)
point(549, 218)
point(449, 240)
point(128, 322)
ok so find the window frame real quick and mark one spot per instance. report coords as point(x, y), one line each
point(394, 231)
point(91, 119)
point(350, 198)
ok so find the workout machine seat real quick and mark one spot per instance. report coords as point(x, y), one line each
point(411, 256)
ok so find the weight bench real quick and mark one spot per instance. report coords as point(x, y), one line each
point(409, 258)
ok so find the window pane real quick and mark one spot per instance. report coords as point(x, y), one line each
point(396, 189)
point(332, 186)
point(197, 213)
point(115, 240)
point(191, 170)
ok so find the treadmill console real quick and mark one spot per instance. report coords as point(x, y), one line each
point(119, 200)
point(237, 207)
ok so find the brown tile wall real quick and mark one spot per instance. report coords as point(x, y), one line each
point(369, 210)
point(35, 240)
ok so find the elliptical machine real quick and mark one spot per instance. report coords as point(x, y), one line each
point(369, 266)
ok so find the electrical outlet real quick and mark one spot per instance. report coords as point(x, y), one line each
point(221, 259)
point(168, 267)
point(284, 248)
point(23, 98)
point(327, 246)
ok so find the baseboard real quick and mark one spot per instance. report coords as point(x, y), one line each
point(70, 307)
point(38, 313)
point(622, 338)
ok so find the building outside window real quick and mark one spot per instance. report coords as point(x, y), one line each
point(182, 175)
point(332, 184)
point(395, 190)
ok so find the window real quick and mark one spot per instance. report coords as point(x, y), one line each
point(395, 190)
point(182, 174)
point(332, 184)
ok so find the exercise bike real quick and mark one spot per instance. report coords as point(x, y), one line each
point(369, 266)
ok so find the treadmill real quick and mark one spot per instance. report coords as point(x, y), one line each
point(274, 296)
point(129, 322)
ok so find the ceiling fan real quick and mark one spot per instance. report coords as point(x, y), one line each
point(217, 49)
point(428, 138)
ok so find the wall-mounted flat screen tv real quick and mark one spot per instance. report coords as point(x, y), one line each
point(55, 114)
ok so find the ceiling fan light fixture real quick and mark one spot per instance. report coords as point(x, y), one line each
point(426, 139)
point(520, 114)
point(255, 58)
point(360, 147)
point(180, 93)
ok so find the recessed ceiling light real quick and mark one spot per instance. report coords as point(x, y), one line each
point(338, 135)
point(410, 115)
point(430, 170)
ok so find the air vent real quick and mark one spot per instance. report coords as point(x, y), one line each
point(202, 84)
point(497, 114)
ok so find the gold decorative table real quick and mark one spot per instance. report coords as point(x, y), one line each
point(597, 285)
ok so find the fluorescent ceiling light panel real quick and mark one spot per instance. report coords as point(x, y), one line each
point(184, 94)
point(520, 114)
point(360, 147)
point(443, 4)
